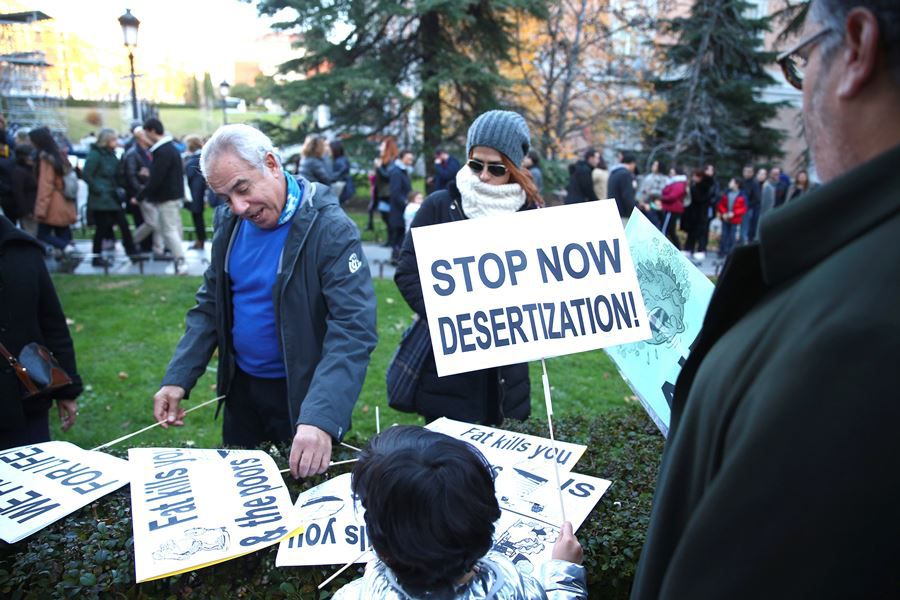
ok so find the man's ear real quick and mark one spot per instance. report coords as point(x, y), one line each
point(272, 164)
point(860, 52)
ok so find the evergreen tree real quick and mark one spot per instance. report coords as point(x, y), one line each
point(192, 91)
point(714, 74)
point(209, 94)
point(372, 61)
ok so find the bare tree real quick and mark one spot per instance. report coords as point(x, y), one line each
point(582, 69)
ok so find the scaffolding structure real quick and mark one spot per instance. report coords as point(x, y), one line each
point(25, 99)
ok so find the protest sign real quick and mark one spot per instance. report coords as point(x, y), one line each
point(582, 492)
point(530, 285)
point(676, 295)
point(529, 525)
point(193, 508)
point(41, 483)
point(334, 526)
point(334, 531)
point(506, 449)
point(526, 489)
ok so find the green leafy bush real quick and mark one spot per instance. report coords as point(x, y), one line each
point(89, 554)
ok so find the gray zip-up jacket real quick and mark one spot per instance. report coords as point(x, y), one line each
point(324, 310)
point(496, 578)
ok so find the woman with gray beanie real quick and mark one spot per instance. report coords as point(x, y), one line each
point(492, 182)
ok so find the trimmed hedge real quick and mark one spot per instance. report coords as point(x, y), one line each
point(89, 553)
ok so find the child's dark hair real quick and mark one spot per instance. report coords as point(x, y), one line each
point(430, 506)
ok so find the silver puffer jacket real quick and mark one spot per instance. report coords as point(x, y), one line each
point(496, 578)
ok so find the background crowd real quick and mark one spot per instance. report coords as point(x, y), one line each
point(687, 204)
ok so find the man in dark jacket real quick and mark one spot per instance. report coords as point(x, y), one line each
point(751, 190)
point(621, 185)
point(445, 169)
point(135, 171)
point(400, 186)
point(782, 184)
point(30, 312)
point(287, 300)
point(781, 472)
point(165, 188)
point(581, 182)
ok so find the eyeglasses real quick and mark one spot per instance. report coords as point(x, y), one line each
point(793, 62)
point(495, 169)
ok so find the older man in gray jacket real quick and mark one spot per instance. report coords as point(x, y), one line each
point(287, 300)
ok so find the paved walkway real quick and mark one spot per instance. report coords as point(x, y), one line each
point(195, 263)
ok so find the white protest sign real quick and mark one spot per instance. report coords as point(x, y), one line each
point(334, 531)
point(506, 449)
point(529, 526)
point(193, 508)
point(676, 295)
point(41, 483)
point(533, 284)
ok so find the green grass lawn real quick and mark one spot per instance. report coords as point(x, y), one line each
point(125, 329)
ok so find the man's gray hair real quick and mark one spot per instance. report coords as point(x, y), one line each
point(833, 14)
point(247, 143)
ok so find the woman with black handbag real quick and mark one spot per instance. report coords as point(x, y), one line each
point(492, 182)
point(30, 313)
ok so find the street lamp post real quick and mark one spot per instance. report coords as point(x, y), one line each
point(224, 88)
point(130, 26)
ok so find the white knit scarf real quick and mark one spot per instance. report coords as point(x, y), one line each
point(481, 199)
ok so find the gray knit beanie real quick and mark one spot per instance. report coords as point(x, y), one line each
point(502, 130)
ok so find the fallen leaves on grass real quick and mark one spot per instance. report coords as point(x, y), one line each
point(112, 285)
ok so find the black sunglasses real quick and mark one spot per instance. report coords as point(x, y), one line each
point(793, 62)
point(495, 169)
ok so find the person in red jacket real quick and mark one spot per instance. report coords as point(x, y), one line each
point(672, 203)
point(731, 210)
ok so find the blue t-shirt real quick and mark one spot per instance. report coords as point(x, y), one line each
point(253, 266)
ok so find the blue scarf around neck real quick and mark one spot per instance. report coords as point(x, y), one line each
point(294, 195)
